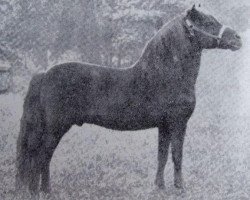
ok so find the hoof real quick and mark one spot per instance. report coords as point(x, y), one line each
point(178, 185)
point(45, 190)
point(34, 192)
point(46, 195)
point(178, 181)
point(34, 196)
point(160, 184)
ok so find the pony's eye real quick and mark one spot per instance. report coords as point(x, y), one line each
point(209, 23)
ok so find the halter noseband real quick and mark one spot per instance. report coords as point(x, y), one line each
point(191, 27)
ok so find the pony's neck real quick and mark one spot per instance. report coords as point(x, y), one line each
point(165, 56)
point(163, 53)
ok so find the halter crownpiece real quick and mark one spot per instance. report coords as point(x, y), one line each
point(191, 27)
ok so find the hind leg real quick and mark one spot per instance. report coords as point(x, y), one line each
point(51, 141)
point(45, 171)
point(33, 173)
point(34, 178)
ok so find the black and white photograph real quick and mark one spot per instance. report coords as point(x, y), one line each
point(124, 100)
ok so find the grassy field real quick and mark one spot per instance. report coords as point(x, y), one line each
point(96, 163)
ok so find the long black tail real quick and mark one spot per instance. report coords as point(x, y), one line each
point(30, 136)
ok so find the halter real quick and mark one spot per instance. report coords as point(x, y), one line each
point(191, 27)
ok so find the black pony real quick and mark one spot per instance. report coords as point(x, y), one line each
point(157, 91)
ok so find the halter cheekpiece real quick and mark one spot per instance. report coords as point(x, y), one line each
point(191, 27)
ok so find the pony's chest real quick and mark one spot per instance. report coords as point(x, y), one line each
point(178, 100)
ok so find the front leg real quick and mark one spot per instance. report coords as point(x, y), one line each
point(163, 146)
point(177, 130)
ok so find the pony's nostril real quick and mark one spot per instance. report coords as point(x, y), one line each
point(237, 36)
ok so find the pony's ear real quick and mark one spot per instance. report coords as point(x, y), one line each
point(192, 13)
point(193, 9)
point(189, 12)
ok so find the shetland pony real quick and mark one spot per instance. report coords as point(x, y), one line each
point(157, 91)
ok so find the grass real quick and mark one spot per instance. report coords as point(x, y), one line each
point(96, 163)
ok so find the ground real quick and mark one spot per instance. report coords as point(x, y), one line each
point(95, 163)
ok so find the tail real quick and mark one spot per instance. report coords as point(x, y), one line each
point(30, 136)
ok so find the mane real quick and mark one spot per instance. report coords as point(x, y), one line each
point(175, 35)
point(170, 39)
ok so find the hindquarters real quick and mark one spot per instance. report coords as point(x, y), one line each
point(46, 117)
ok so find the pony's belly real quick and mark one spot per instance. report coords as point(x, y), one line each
point(121, 115)
point(124, 123)
point(125, 126)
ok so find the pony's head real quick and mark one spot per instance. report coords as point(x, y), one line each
point(209, 33)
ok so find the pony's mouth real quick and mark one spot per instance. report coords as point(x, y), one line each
point(235, 46)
